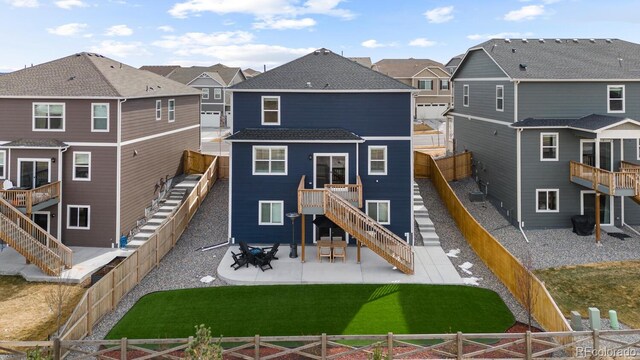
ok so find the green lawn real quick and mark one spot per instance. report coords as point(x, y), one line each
point(315, 309)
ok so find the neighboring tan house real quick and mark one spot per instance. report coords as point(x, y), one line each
point(249, 73)
point(323, 127)
point(428, 76)
point(212, 82)
point(553, 125)
point(86, 140)
point(364, 61)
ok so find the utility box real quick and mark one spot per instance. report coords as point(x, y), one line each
point(476, 196)
point(576, 321)
point(594, 319)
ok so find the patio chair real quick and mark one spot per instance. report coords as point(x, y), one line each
point(273, 249)
point(250, 252)
point(324, 249)
point(339, 250)
point(239, 260)
point(264, 261)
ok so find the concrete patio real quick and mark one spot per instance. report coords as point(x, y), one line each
point(432, 266)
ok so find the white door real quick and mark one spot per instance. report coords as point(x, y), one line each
point(210, 118)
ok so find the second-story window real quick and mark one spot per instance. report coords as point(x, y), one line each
point(100, 117)
point(271, 110)
point(205, 93)
point(48, 117)
point(3, 166)
point(172, 110)
point(444, 84)
point(615, 98)
point(499, 98)
point(158, 109)
point(549, 147)
point(269, 160)
point(465, 95)
point(377, 160)
point(81, 166)
point(425, 84)
point(217, 93)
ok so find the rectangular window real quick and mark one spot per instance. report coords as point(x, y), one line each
point(444, 84)
point(465, 95)
point(81, 166)
point(377, 160)
point(172, 110)
point(379, 210)
point(217, 93)
point(3, 164)
point(158, 109)
point(615, 97)
point(205, 93)
point(48, 117)
point(78, 217)
point(549, 147)
point(425, 84)
point(547, 200)
point(499, 98)
point(100, 117)
point(271, 110)
point(270, 212)
point(269, 160)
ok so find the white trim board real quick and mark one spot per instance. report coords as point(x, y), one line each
point(469, 117)
point(149, 137)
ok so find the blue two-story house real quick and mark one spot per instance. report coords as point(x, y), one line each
point(553, 127)
point(330, 139)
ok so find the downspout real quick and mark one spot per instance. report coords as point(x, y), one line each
point(60, 176)
point(119, 169)
point(518, 160)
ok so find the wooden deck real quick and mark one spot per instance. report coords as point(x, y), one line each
point(622, 183)
point(28, 201)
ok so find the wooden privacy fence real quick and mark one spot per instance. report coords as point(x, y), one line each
point(452, 167)
point(583, 344)
point(104, 295)
point(523, 284)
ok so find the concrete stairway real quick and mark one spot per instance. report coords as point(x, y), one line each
point(421, 215)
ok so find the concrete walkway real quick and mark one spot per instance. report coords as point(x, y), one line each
point(431, 267)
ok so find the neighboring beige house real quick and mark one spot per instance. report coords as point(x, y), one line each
point(428, 76)
point(364, 61)
point(249, 73)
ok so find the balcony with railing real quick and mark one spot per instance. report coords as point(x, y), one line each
point(622, 183)
point(28, 201)
point(311, 201)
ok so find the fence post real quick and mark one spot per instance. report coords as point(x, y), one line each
point(459, 346)
point(323, 346)
point(56, 349)
point(529, 350)
point(113, 290)
point(596, 341)
point(123, 348)
point(390, 345)
point(256, 347)
point(89, 306)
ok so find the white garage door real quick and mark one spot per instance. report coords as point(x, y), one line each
point(210, 118)
point(430, 111)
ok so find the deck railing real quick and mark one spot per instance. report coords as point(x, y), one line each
point(309, 198)
point(612, 181)
point(626, 166)
point(350, 192)
point(27, 198)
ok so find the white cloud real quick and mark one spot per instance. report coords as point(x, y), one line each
point(192, 43)
point(261, 8)
point(119, 30)
point(372, 44)
point(244, 55)
point(23, 3)
point(502, 35)
point(67, 29)
point(422, 42)
point(440, 14)
point(120, 49)
point(166, 28)
point(284, 24)
point(68, 4)
point(528, 12)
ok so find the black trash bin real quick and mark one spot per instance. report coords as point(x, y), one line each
point(583, 225)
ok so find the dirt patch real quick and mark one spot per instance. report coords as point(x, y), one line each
point(96, 276)
point(25, 313)
point(422, 127)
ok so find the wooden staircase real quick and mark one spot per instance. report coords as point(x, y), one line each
point(338, 205)
point(31, 241)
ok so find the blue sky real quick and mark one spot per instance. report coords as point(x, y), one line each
point(253, 33)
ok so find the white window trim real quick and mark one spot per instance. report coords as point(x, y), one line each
point(557, 191)
point(465, 95)
point(171, 112)
point(3, 157)
point(271, 202)
point(624, 95)
point(388, 202)
point(217, 94)
point(158, 110)
point(33, 116)
point(444, 81)
point(93, 123)
point(74, 178)
point(263, 110)
point(557, 146)
point(286, 160)
point(205, 91)
point(425, 81)
point(501, 87)
point(386, 159)
point(88, 207)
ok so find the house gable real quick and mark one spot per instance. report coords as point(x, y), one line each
point(478, 64)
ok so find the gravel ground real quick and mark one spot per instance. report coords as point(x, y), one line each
point(550, 247)
point(451, 238)
point(183, 266)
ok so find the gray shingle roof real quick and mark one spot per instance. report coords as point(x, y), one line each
point(591, 122)
point(566, 58)
point(88, 75)
point(41, 143)
point(285, 134)
point(321, 70)
point(405, 68)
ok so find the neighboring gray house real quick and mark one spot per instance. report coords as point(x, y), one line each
point(212, 81)
point(453, 63)
point(549, 122)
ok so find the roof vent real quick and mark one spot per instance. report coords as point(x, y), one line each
point(575, 41)
point(525, 41)
point(608, 41)
point(326, 51)
point(558, 41)
point(523, 66)
point(89, 54)
point(317, 52)
point(541, 41)
point(593, 41)
point(308, 84)
point(513, 50)
point(507, 40)
point(72, 78)
point(113, 67)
